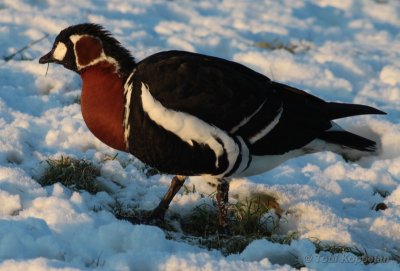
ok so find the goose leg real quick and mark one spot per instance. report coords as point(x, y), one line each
point(159, 212)
point(222, 203)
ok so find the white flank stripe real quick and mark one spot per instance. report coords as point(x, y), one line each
point(247, 119)
point(190, 128)
point(268, 128)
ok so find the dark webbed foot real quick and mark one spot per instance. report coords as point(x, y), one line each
point(158, 214)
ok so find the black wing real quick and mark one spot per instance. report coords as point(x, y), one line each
point(217, 91)
point(238, 100)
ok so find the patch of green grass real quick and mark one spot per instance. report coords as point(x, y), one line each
point(276, 44)
point(108, 157)
point(149, 171)
point(248, 221)
point(250, 215)
point(187, 190)
point(202, 221)
point(333, 247)
point(362, 255)
point(133, 214)
point(77, 100)
point(129, 213)
point(77, 174)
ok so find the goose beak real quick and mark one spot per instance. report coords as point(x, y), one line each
point(47, 58)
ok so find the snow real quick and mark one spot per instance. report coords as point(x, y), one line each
point(390, 75)
point(346, 51)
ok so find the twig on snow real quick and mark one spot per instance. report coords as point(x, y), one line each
point(9, 57)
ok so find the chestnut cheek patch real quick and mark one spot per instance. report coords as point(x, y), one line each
point(88, 49)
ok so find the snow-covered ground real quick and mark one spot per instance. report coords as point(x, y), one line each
point(346, 50)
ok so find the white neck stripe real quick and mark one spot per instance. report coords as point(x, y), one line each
point(102, 57)
point(128, 87)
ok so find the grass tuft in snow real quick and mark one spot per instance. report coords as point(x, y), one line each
point(187, 190)
point(276, 44)
point(149, 171)
point(251, 216)
point(334, 248)
point(77, 100)
point(77, 174)
point(124, 212)
point(201, 222)
point(250, 219)
point(129, 213)
point(362, 255)
point(133, 214)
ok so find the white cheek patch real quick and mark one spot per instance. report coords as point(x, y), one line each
point(60, 51)
point(190, 128)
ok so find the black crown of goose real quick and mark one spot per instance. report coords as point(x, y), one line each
point(232, 120)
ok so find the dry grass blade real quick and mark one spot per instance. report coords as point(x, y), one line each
point(248, 221)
